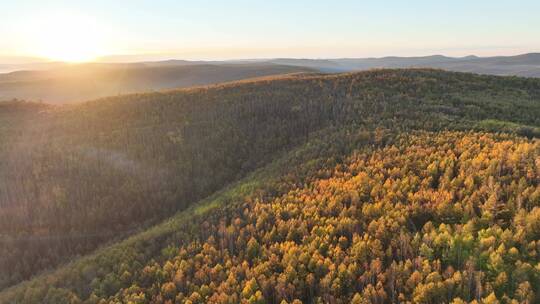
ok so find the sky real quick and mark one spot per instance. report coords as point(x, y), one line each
point(239, 29)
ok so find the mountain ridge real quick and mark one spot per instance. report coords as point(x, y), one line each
point(68, 83)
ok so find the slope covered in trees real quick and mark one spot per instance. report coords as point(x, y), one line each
point(372, 217)
point(78, 176)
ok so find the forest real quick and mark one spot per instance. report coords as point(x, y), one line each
point(399, 186)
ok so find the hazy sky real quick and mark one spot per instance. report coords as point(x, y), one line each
point(273, 28)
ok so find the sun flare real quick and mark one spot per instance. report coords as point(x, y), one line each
point(66, 37)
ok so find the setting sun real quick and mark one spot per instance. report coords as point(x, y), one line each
point(66, 37)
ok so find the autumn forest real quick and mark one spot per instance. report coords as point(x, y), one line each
point(383, 186)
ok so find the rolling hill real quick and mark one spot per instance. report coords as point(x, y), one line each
point(57, 82)
point(80, 82)
point(383, 186)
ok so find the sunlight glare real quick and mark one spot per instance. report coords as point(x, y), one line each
point(65, 37)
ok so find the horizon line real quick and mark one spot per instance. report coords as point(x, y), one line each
point(32, 60)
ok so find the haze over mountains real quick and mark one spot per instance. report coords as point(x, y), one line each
point(57, 82)
point(75, 83)
point(526, 65)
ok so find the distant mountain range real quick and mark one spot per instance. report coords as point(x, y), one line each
point(57, 82)
point(526, 65)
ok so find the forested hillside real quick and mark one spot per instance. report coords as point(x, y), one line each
point(370, 206)
point(370, 217)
